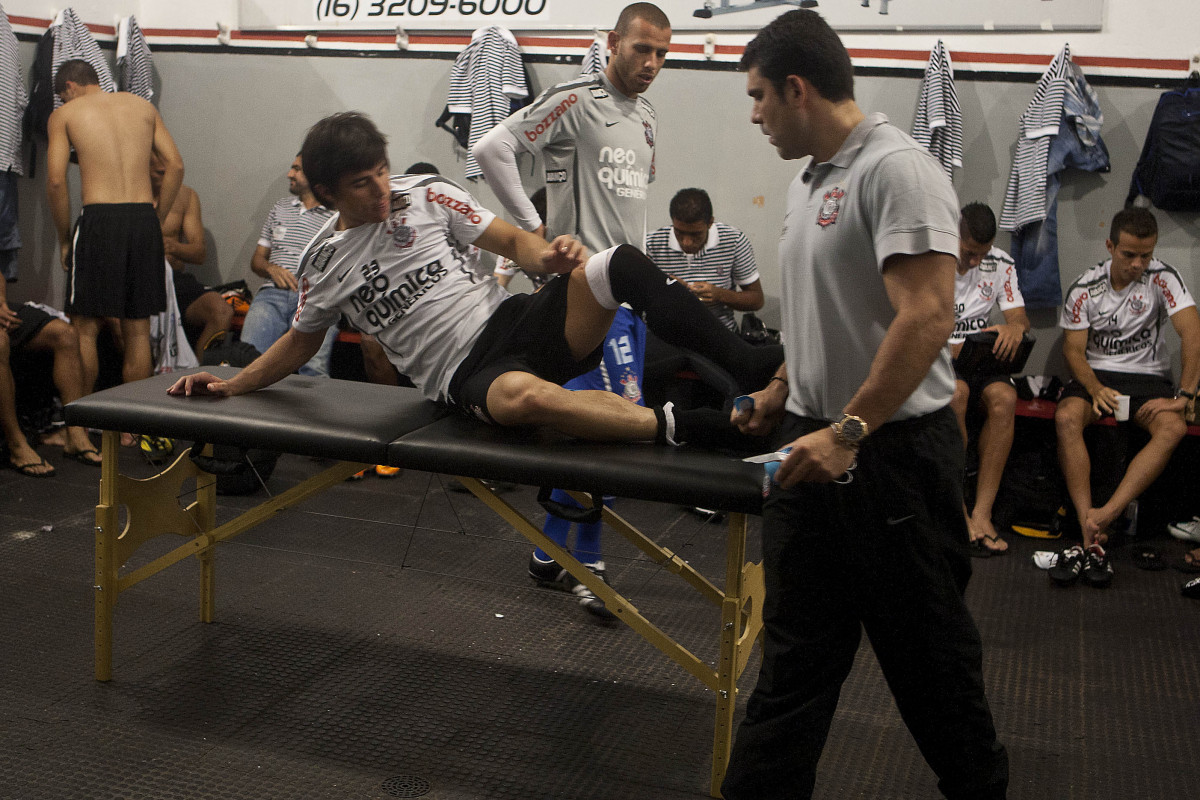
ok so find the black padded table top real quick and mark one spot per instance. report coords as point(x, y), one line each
point(342, 420)
point(680, 475)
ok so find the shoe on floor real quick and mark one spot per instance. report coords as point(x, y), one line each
point(1191, 589)
point(549, 573)
point(1097, 569)
point(1186, 531)
point(358, 476)
point(384, 471)
point(155, 449)
point(1068, 566)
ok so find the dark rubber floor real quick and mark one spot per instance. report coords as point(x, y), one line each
point(384, 641)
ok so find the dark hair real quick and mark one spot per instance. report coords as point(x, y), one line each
point(801, 43)
point(422, 168)
point(339, 145)
point(691, 205)
point(1137, 222)
point(538, 199)
point(978, 222)
point(76, 70)
point(647, 12)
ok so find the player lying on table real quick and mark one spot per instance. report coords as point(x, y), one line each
point(393, 261)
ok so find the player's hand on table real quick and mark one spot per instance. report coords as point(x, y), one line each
point(564, 254)
point(200, 383)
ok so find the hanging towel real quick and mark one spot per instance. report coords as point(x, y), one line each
point(1025, 198)
point(168, 343)
point(487, 82)
point(596, 58)
point(938, 124)
point(134, 64)
point(72, 39)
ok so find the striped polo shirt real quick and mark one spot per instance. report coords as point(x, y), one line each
point(938, 124)
point(288, 230)
point(726, 261)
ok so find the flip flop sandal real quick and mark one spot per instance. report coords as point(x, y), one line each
point(979, 550)
point(28, 469)
point(1148, 558)
point(991, 550)
point(82, 456)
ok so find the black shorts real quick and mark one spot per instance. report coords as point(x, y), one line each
point(187, 289)
point(33, 319)
point(1139, 386)
point(117, 262)
point(525, 334)
point(978, 381)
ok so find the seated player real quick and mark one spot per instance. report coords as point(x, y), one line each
point(391, 262)
point(986, 277)
point(1114, 344)
point(32, 327)
point(183, 243)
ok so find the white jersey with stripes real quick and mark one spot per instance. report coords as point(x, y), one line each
point(409, 281)
point(1125, 328)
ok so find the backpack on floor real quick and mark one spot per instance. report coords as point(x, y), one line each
point(239, 470)
point(1168, 170)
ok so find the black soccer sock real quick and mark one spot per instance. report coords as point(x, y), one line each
point(678, 318)
point(707, 427)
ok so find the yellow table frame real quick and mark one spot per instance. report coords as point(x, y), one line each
point(153, 510)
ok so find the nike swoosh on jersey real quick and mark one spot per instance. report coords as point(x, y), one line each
point(670, 281)
point(342, 277)
point(610, 124)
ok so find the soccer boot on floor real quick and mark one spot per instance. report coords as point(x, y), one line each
point(1068, 566)
point(155, 449)
point(549, 573)
point(1097, 569)
point(1186, 531)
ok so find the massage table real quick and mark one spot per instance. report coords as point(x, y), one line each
point(361, 424)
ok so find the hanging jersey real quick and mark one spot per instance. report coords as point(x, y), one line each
point(598, 149)
point(993, 281)
point(408, 281)
point(1126, 327)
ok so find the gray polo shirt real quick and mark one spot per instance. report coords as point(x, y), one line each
point(598, 148)
point(880, 195)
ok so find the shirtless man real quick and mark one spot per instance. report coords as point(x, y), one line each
point(183, 243)
point(115, 257)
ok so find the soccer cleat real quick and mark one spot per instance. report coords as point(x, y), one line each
point(1068, 566)
point(1191, 589)
point(384, 471)
point(1186, 531)
point(549, 573)
point(155, 449)
point(358, 476)
point(1097, 569)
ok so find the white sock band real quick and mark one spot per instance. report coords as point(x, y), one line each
point(596, 271)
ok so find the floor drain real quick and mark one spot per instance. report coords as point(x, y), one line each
point(406, 786)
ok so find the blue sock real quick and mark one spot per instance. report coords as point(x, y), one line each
point(587, 540)
point(556, 528)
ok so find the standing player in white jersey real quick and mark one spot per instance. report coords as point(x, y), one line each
point(986, 277)
point(391, 260)
point(1114, 344)
point(596, 135)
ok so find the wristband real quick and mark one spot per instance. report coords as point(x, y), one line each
point(1185, 393)
point(777, 378)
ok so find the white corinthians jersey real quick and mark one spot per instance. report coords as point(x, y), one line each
point(410, 281)
point(1126, 327)
point(598, 149)
point(993, 281)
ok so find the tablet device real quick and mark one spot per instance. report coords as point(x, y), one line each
point(976, 357)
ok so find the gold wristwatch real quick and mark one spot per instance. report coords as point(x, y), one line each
point(851, 430)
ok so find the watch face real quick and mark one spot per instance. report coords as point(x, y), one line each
point(852, 429)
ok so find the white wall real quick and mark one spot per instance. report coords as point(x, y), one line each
point(239, 118)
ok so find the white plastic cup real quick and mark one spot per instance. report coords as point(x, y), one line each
point(1122, 412)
